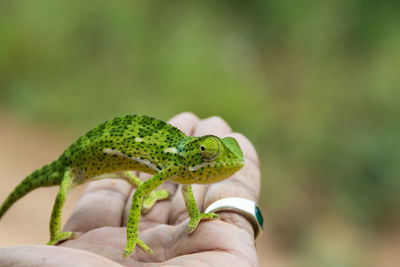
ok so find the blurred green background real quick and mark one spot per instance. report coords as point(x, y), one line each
point(313, 84)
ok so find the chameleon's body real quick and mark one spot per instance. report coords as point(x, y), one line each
point(140, 143)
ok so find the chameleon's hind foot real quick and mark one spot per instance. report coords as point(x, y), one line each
point(152, 198)
point(61, 237)
point(194, 221)
point(130, 247)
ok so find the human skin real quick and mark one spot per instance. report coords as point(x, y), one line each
point(100, 218)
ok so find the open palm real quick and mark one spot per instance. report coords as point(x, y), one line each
point(100, 218)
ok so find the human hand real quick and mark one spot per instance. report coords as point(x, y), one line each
point(100, 218)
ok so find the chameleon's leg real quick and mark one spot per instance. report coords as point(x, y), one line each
point(194, 212)
point(134, 214)
point(151, 198)
point(56, 233)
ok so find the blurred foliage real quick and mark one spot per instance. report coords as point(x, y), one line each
point(314, 85)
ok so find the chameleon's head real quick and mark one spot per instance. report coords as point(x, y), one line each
point(210, 158)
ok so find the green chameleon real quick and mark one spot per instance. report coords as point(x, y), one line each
point(140, 143)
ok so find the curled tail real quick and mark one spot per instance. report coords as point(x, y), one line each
point(47, 175)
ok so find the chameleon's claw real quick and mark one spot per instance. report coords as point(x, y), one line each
point(61, 237)
point(194, 221)
point(130, 247)
point(152, 198)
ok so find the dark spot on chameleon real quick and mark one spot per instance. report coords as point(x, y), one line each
point(116, 121)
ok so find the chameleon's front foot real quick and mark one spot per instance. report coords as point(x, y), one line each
point(194, 221)
point(61, 237)
point(130, 247)
point(152, 198)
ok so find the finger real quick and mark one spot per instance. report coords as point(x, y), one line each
point(108, 242)
point(101, 204)
point(39, 255)
point(213, 241)
point(186, 122)
point(171, 244)
point(213, 125)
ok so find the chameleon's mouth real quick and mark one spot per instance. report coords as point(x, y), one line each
point(233, 164)
point(225, 164)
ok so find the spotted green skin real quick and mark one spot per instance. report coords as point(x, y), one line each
point(140, 143)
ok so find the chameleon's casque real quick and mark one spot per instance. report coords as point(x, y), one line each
point(140, 143)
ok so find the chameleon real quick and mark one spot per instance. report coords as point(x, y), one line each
point(135, 143)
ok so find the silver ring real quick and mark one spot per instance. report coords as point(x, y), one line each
point(244, 207)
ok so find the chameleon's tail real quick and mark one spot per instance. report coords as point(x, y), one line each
point(48, 175)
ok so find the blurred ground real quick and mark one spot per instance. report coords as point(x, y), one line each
point(24, 149)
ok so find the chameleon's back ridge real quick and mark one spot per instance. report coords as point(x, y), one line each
point(131, 142)
point(135, 143)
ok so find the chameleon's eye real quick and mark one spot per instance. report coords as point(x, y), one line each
point(209, 148)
